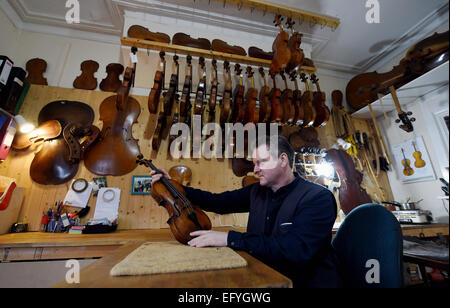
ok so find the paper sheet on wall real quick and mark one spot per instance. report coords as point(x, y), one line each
point(107, 205)
point(76, 199)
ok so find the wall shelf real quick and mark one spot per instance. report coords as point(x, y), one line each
point(196, 52)
point(409, 93)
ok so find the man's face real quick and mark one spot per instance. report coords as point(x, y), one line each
point(267, 168)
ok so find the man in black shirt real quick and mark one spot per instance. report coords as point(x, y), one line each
point(290, 219)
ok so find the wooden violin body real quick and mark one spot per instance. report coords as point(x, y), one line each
point(251, 101)
point(116, 150)
point(221, 46)
point(186, 40)
point(112, 81)
point(46, 131)
point(184, 217)
point(185, 101)
point(264, 100)
point(226, 97)
point(351, 194)
point(200, 95)
point(297, 55)
point(322, 110)
point(286, 102)
point(36, 68)
point(158, 85)
point(275, 101)
point(86, 80)
point(143, 33)
point(299, 114)
point(238, 110)
point(307, 104)
point(281, 51)
point(213, 95)
point(256, 52)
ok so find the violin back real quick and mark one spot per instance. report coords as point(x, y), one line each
point(36, 69)
point(186, 40)
point(143, 33)
point(256, 52)
point(87, 81)
point(112, 81)
point(221, 46)
point(297, 55)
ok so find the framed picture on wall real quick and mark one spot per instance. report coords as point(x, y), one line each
point(412, 161)
point(141, 184)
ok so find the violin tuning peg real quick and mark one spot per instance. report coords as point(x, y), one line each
point(397, 121)
point(409, 113)
point(140, 156)
point(413, 119)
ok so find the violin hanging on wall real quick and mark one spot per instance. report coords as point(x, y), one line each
point(86, 80)
point(116, 150)
point(351, 194)
point(297, 55)
point(238, 111)
point(226, 102)
point(158, 85)
point(286, 102)
point(322, 110)
point(307, 103)
point(251, 101)
point(281, 51)
point(213, 94)
point(264, 99)
point(36, 68)
point(112, 81)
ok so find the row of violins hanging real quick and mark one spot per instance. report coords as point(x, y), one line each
point(68, 125)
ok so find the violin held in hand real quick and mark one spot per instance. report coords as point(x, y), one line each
point(184, 217)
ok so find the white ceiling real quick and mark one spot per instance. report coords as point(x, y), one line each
point(354, 47)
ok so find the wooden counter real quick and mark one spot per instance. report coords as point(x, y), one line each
point(52, 246)
point(255, 275)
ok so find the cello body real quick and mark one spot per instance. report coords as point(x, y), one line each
point(351, 194)
point(116, 150)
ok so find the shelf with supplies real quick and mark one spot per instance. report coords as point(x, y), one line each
point(197, 52)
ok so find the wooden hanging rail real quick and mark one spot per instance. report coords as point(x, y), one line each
point(275, 9)
point(196, 52)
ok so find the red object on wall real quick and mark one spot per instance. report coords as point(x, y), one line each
point(6, 197)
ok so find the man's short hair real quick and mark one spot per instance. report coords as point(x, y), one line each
point(282, 145)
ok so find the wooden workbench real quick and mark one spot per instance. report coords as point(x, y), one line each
point(53, 246)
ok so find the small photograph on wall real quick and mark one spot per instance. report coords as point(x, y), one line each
point(141, 184)
point(413, 162)
point(97, 184)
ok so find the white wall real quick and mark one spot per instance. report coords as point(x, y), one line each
point(436, 144)
point(429, 190)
